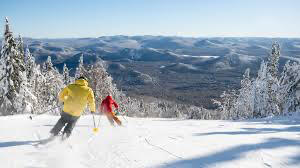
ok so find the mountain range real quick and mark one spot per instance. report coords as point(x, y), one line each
point(181, 69)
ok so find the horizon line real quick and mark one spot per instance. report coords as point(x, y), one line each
point(195, 37)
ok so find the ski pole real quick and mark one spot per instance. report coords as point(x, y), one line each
point(31, 117)
point(95, 128)
point(124, 117)
point(99, 121)
point(94, 120)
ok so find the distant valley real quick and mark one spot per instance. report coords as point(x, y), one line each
point(185, 70)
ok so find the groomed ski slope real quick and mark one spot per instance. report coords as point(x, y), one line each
point(152, 142)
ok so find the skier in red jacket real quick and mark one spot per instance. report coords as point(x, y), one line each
point(106, 108)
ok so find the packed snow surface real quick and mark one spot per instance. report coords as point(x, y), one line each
point(152, 142)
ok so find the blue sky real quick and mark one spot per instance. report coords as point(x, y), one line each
point(192, 18)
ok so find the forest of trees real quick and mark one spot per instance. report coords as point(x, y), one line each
point(26, 87)
point(269, 94)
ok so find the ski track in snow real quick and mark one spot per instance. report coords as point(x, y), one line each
point(152, 142)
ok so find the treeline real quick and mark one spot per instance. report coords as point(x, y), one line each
point(269, 94)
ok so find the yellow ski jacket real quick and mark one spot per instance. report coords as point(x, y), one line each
point(76, 96)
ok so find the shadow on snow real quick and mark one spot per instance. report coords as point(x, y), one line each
point(50, 125)
point(249, 131)
point(237, 152)
point(16, 143)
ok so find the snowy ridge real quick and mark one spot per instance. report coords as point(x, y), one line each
point(153, 142)
point(206, 56)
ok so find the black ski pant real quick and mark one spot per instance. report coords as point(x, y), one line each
point(66, 120)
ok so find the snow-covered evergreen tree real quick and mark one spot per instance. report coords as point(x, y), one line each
point(80, 70)
point(272, 80)
point(20, 45)
point(101, 82)
point(48, 66)
point(244, 105)
point(50, 86)
point(34, 80)
point(273, 60)
point(13, 76)
point(66, 75)
point(227, 105)
point(38, 83)
point(289, 81)
point(260, 92)
point(30, 67)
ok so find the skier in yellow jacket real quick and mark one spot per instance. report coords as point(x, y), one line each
point(75, 98)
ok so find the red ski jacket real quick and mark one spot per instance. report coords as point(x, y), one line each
point(107, 103)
